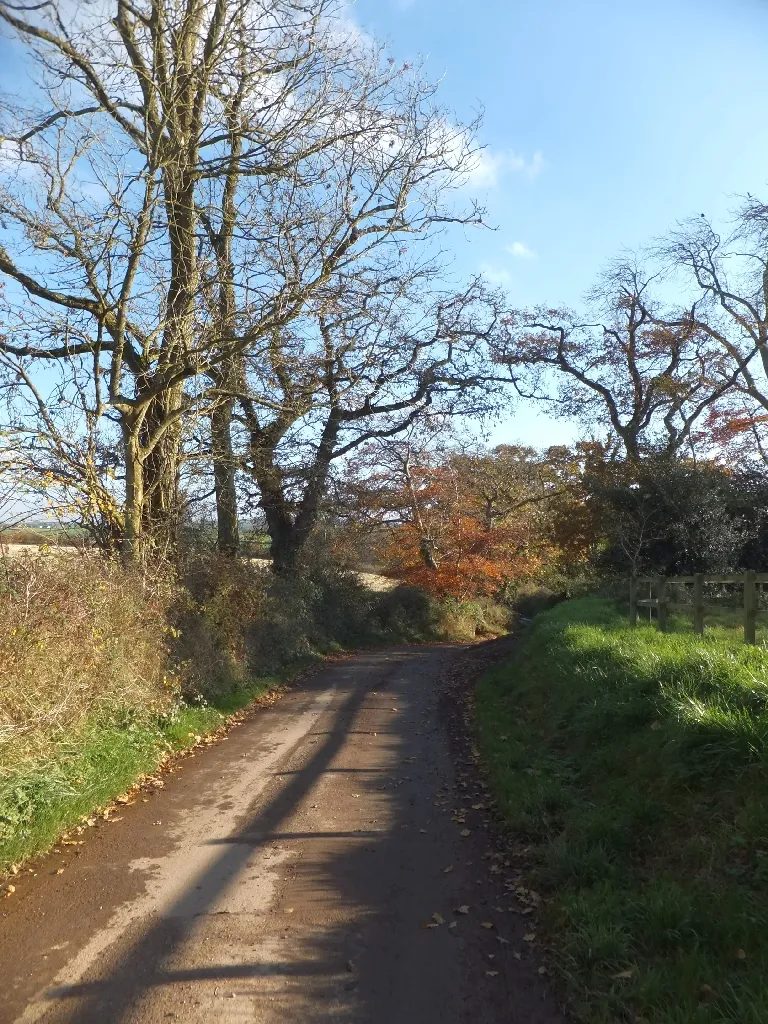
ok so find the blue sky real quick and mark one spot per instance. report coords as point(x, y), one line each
point(605, 122)
point(642, 114)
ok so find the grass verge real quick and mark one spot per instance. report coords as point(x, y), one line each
point(105, 671)
point(90, 769)
point(635, 763)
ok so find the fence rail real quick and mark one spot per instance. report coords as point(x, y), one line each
point(748, 580)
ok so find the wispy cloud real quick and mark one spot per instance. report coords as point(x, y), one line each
point(495, 275)
point(345, 28)
point(520, 251)
point(489, 168)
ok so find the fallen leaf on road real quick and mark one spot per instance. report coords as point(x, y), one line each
point(486, 924)
point(463, 909)
point(423, 831)
point(449, 868)
point(504, 942)
point(491, 974)
point(438, 919)
point(530, 937)
point(517, 956)
point(542, 970)
point(60, 871)
point(452, 924)
point(464, 832)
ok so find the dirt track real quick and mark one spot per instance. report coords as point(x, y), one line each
point(289, 873)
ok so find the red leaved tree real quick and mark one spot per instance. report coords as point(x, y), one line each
point(459, 524)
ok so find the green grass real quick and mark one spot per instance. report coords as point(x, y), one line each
point(90, 769)
point(635, 763)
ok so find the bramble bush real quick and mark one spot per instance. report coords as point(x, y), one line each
point(104, 669)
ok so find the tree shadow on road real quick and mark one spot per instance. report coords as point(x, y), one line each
point(350, 935)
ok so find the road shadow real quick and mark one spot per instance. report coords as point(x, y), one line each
point(363, 945)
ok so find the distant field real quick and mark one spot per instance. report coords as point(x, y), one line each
point(372, 580)
point(19, 550)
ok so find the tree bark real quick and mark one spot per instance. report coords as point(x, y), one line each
point(227, 524)
point(160, 511)
point(290, 532)
point(134, 498)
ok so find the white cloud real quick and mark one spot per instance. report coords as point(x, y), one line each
point(489, 167)
point(345, 29)
point(495, 275)
point(520, 251)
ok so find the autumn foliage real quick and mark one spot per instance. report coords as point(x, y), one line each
point(473, 524)
point(458, 555)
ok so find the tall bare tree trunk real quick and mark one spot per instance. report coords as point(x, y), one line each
point(134, 497)
point(224, 469)
point(289, 532)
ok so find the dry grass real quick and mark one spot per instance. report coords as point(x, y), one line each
point(79, 640)
point(104, 670)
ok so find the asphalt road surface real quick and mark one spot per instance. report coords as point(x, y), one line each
point(309, 867)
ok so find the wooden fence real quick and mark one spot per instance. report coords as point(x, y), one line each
point(748, 580)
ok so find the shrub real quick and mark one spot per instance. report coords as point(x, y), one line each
point(220, 601)
point(80, 638)
point(408, 613)
point(104, 669)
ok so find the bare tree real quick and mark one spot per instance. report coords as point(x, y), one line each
point(648, 377)
point(362, 215)
point(725, 281)
point(64, 459)
point(366, 363)
point(152, 127)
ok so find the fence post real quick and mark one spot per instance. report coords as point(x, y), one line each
point(661, 594)
point(698, 602)
point(750, 607)
point(633, 600)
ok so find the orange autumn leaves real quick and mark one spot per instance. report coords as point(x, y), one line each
point(471, 562)
point(464, 535)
